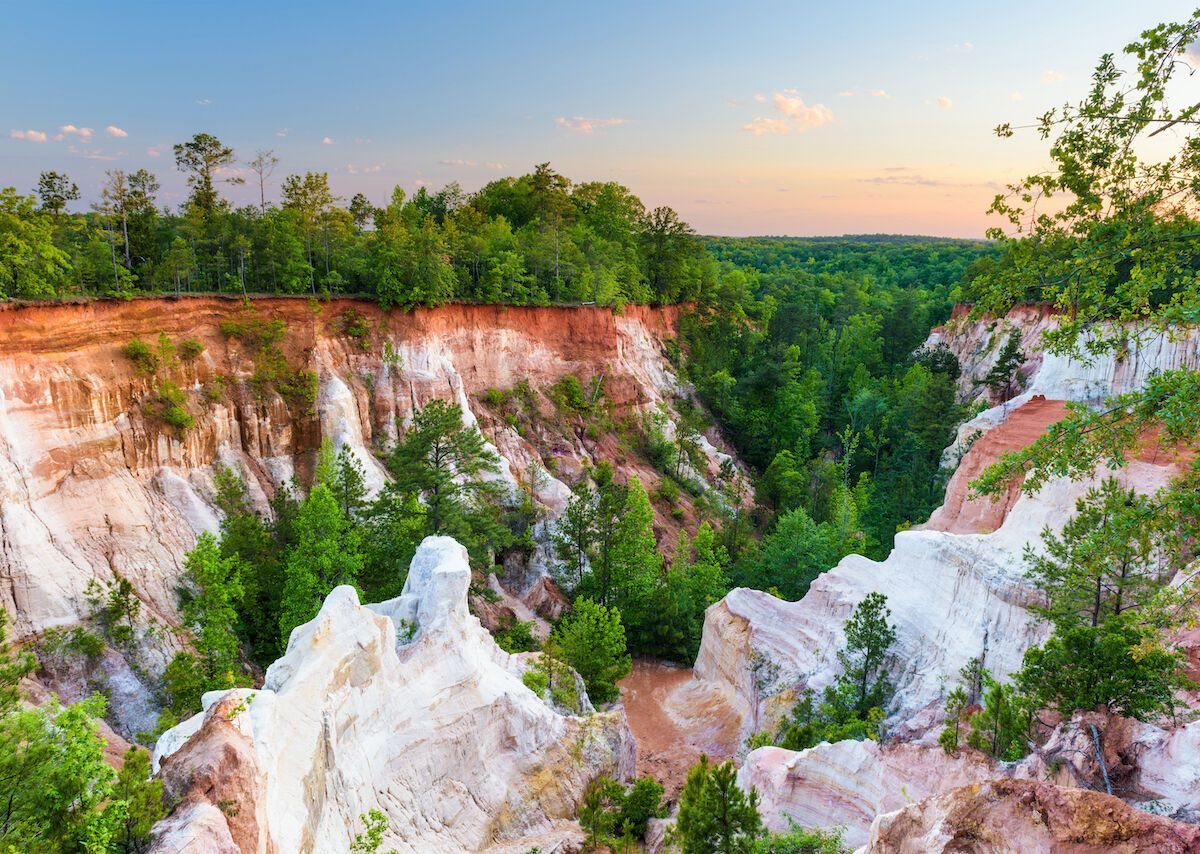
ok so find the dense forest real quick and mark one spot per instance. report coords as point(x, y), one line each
point(814, 367)
point(530, 240)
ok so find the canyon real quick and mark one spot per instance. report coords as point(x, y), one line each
point(437, 730)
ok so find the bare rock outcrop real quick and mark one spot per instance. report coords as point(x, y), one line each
point(1020, 816)
point(436, 731)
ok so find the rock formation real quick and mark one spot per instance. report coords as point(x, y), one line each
point(94, 483)
point(1017, 816)
point(437, 731)
point(956, 590)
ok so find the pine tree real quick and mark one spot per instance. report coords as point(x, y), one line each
point(715, 815)
point(327, 553)
point(1004, 377)
point(143, 798)
point(868, 637)
point(592, 641)
point(209, 611)
point(636, 564)
point(1105, 561)
point(444, 462)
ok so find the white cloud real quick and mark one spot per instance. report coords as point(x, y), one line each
point(30, 135)
point(281, 132)
point(944, 102)
point(1016, 96)
point(760, 98)
point(1053, 76)
point(203, 102)
point(962, 47)
point(802, 115)
point(582, 124)
point(458, 162)
point(327, 141)
point(496, 165)
point(119, 133)
point(157, 150)
point(378, 167)
point(67, 130)
point(358, 140)
point(847, 93)
point(763, 125)
point(798, 116)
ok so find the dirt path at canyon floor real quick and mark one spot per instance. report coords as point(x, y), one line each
point(673, 721)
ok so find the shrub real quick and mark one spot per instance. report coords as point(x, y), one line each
point(494, 397)
point(568, 395)
point(142, 356)
point(174, 407)
point(190, 349)
point(516, 638)
point(299, 388)
point(353, 324)
point(536, 681)
point(667, 491)
point(802, 840)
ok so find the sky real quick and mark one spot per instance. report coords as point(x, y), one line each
point(749, 118)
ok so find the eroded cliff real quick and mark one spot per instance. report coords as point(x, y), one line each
point(432, 726)
point(956, 589)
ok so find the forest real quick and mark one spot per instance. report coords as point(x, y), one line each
point(530, 240)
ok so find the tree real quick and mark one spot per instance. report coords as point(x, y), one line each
point(208, 607)
point(443, 462)
point(310, 198)
point(201, 158)
point(344, 475)
point(636, 564)
point(56, 190)
point(1115, 666)
point(1104, 563)
point(1004, 377)
point(327, 554)
point(143, 798)
point(956, 704)
point(715, 816)
point(1001, 728)
point(1115, 260)
point(31, 265)
point(868, 637)
point(263, 165)
point(597, 811)
point(117, 197)
point(361, 210)
point(573, 536)
point(794, 554)
point(592, 641)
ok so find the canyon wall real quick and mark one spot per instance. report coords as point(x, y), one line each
point(956, 590)
point(94, 483)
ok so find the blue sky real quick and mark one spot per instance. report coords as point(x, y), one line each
point(748, 118)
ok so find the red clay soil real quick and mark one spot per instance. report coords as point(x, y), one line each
point(961, 515)
point(673, 723)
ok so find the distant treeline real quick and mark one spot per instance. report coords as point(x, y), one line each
point(531, 240)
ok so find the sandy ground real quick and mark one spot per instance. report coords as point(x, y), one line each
point(674, 721)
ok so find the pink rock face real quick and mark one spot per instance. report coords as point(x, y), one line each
point(1023, 816)
point(962, 514)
